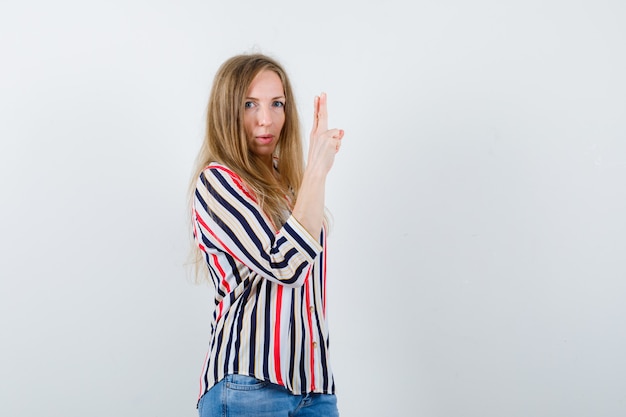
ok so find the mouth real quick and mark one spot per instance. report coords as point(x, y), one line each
point(265, 138)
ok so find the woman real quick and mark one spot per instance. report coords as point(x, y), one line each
point(258, 220)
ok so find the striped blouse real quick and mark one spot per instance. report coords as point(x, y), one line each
point(269, 320)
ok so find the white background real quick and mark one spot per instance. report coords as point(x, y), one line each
point(478, 260)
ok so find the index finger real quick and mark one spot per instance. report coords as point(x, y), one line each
point(322, 114)
point(316, 109)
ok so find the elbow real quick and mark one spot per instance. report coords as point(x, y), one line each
point(298, 283)
point(297, 278)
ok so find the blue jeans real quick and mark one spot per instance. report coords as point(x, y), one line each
point(242, 395)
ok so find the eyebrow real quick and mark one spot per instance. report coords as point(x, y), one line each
point(273, 98)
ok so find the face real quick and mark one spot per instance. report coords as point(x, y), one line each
point(264, 114)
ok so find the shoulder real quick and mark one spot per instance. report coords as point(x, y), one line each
point(216, 168)
point(218, 175)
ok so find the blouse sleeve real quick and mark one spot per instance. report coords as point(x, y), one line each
point(228, 218)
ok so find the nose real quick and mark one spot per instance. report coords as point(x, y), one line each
point(264, 116)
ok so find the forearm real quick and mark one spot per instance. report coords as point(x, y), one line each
point(324, 144)
point(309, 208)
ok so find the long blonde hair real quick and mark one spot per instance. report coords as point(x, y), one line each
point(225, 139)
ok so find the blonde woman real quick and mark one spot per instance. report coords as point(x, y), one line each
point(258, 223)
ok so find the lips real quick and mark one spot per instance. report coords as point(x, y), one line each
point(265, 139)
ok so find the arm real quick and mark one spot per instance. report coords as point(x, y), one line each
point(227, 218)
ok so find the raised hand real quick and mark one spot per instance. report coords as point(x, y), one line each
point(323, 146)
point(324, 143)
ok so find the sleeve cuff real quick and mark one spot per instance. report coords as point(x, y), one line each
point(302, 239)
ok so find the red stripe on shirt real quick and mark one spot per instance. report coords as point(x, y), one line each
point(324, 278)
point(237, 180)
point(279, 303)
point(240, 184)
point(218, 239)
point(223, 283)
point(202, 387)
point(310, 320)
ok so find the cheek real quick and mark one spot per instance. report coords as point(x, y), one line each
point(280, 120)
point(248, 124)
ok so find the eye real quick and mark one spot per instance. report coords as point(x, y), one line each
point(278, 103)
point(248, 104)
